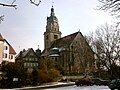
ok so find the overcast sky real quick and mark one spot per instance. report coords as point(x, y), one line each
point(24, 28)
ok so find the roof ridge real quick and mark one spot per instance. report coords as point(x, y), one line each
point(68, 35)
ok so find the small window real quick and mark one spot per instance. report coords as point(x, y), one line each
point(30, 59)
point(5, 48)
point(36, 59)
point(55, 36)
point(5, 55)
point(55, 59)
point(31, 54)
point(11, 56)
point(25, 64)
point(36, 64)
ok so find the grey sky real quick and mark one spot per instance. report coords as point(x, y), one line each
point(24, 28)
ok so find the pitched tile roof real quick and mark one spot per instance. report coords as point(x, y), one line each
point(1, 38)
point(25, 53)
point(11, 50)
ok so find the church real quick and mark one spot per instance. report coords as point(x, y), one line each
point(71, 54)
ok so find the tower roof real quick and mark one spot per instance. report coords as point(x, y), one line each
point(52, 16)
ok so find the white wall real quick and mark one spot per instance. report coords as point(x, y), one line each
point(6, 52)
point(1, 51)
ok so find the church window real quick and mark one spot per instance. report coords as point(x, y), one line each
point(47, 37)
point(55, 36)
point(55, 59)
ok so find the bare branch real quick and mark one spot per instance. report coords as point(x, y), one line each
point(35, 3)
point(1, 18)
point(13, 2)
point(111, 5)
point(9, 5)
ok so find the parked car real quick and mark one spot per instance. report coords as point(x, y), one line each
point(114, 84)
point(98, 81)
point(83, 82)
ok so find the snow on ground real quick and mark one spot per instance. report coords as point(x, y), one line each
point(81, 88)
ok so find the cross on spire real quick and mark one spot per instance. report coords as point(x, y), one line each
point(52, 4)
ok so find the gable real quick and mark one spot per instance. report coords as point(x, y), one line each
point(29, 52)
point(11, 50)
point(82, 43)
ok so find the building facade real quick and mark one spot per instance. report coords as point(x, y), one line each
point(75, 57)
point(70, 54)
point(29, 58)
point(7, 53)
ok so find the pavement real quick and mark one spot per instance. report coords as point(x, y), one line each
point(50, 85)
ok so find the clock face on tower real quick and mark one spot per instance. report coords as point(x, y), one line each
point(55, 24)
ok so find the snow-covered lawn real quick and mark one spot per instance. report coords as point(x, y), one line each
point(81, 88)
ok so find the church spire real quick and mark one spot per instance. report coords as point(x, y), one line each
point(52, 11)
point(52, 29)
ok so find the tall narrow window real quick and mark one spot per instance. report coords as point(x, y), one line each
point(5, 48)
point(47, 37)
point(5, 55)
point(11, 56)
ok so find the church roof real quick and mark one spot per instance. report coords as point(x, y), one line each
point(64, 41)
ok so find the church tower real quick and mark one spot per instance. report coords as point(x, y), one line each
point(52, 30)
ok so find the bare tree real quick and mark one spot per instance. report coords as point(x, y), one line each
point(12, 5)
point(106, 45)
point(112, 5)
